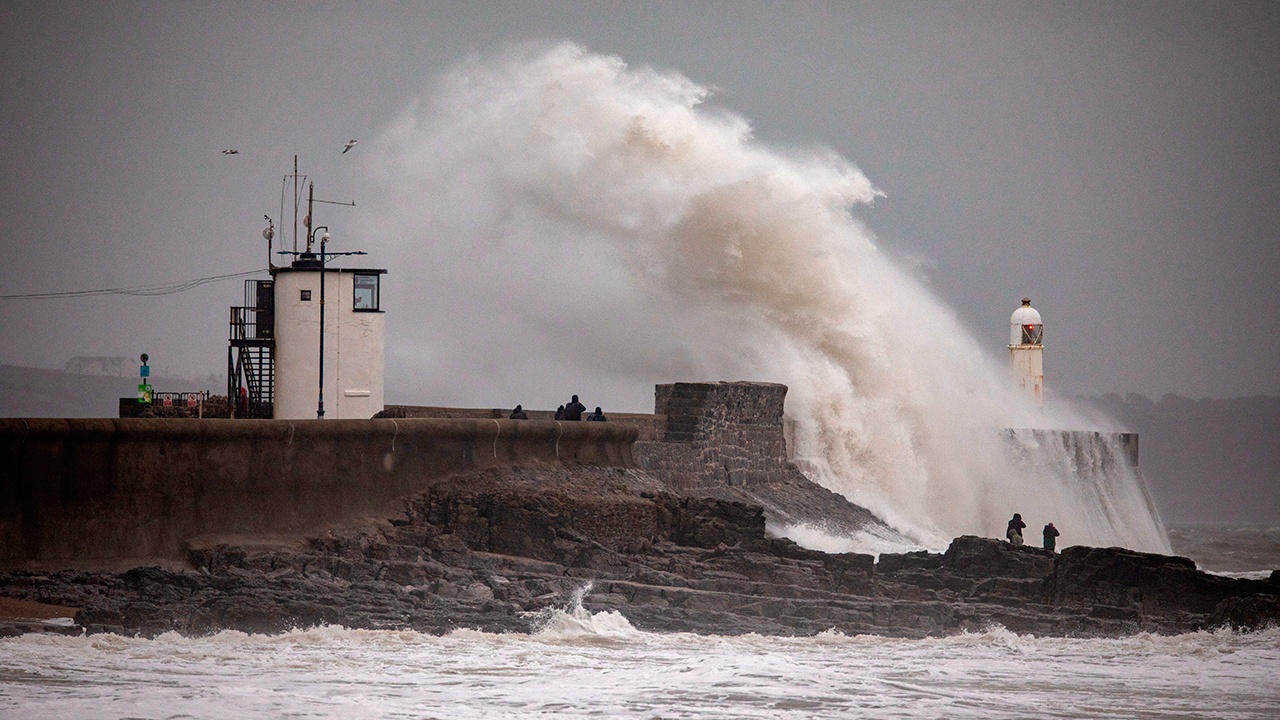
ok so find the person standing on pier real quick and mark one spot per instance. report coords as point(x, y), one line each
point(574, 410)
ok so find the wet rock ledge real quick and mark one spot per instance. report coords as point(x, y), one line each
point(495, 549)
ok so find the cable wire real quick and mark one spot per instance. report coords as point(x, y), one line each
point(141, 291)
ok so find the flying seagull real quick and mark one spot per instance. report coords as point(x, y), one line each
point(350, 144)
point(230, 152)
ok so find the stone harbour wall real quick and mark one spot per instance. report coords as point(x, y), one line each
point(717, 434)
point(83, 493)
point(724, 440)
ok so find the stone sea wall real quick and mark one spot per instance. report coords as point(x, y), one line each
point(81, 493)
point(120, 492)
point(717, 434)
point(723, 440)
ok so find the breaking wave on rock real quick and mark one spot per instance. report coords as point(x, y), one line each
point(564, 215)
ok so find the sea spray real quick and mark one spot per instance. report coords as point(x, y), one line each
point(574, 622)
point(1100, 482)
point(566, 222)
point(815, 536)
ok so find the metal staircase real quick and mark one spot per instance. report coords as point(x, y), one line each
point(251, 351)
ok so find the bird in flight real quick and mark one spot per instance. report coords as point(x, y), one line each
point(230, 152)
point(350, 144)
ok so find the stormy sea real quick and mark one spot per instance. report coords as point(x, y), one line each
point(579, 664)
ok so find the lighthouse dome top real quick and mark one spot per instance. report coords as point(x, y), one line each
point(1025, 326)
point(1025, 315)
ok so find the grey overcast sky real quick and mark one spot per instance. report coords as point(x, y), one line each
point(1118, 162)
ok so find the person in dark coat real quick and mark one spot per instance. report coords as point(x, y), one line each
point(596, 416)
point(560, 413)
point(519, 414)
point(1014, 532)
point(574, 410)
point(1050, 537)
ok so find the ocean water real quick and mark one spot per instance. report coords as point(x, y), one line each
point(584, 665)
point(1239, 551)
point(579, 664)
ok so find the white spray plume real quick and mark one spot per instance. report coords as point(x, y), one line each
point(561, 221)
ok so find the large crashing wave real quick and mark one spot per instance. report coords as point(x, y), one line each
point(561, 221)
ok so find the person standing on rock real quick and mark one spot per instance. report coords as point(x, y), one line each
point(574, 410)
point(560, 413)
point(1014, 532)
point(1050, 537)
point(596, 416)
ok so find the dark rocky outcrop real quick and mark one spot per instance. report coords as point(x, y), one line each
point(492, 549)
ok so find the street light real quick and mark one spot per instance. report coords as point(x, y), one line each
point(324, 240)
point(324, 258)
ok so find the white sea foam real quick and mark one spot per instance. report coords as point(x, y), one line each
point(1246, 575)
point(332, 672)
point(575, 622)
point(873, 540)
point(555, 208)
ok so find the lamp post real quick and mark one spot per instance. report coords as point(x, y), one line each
point(324, 258)
point(324, 240)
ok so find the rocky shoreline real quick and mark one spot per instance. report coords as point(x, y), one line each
point(495, 549)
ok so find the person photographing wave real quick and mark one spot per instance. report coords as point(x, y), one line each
point(1014, 531)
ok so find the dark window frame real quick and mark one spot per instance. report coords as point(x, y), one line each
point(377, 291)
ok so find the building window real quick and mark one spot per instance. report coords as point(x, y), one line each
point(1032, 334)
point(366, 292)
point(305, 296)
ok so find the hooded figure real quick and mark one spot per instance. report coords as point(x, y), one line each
point(574, 410)
point(596, 416)
point(1050, 537)
point(518, 413)
point(560, 413)
point(1014, 533)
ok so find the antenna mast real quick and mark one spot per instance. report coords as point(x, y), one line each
point(311, 195)
point(295, 202)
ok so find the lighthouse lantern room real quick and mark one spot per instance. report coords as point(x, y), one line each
point(1026, 351)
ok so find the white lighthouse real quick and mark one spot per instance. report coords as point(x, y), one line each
point(1026, 351)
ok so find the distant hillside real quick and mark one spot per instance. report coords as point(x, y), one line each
point(1210, 461)
point(37, 392)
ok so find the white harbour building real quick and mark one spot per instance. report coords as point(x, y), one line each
point(280, 365)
